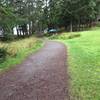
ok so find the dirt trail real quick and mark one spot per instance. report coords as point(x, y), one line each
point(42, 76)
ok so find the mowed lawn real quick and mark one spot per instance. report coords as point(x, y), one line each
point(84, 65)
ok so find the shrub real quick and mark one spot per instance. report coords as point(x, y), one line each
point(54, 36)
point(64, 36)
point(71, 36)
point(14, 47)
point(12, 50)
point(3, 54)
point(8, 37)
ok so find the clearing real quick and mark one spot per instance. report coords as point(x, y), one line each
point(84, 65)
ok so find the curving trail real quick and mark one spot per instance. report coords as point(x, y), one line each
point(42, 76)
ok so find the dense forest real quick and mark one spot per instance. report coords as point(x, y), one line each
point(33, 16)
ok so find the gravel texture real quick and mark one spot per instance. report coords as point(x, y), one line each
point(42, 76)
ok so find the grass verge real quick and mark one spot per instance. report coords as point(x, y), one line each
point(84, 65)
point(18, 51)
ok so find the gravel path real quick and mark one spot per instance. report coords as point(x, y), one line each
point(42, 76)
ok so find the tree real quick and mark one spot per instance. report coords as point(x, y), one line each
point(40, 14)
point(7, 19)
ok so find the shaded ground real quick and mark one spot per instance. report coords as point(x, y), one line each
point(43, 76)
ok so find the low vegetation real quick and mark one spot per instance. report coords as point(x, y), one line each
point(84, 64)
point(13, 53)
point(64, 36)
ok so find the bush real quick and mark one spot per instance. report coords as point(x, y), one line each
point(12, 50)
point(3, 54)
point(55, 36)
point(64, 36)
point(73, 36)
point(14, 47)
point(8, 37)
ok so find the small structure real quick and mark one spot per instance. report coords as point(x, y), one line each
point(98, 18)
point(52, 31)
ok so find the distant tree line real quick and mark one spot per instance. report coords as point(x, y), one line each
point(24, 15)
point(33, 16)
point(74, 15)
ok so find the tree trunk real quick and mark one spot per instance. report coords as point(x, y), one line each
point(17, 31)
point(33, 27)
point(30, 29)
point(71, 26)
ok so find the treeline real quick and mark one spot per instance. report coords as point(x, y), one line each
point(26, 16)
point(33, 16)
point(74, 15)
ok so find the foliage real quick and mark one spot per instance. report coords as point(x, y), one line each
point(18, 50)
point(64, 36)
point(3, 54)
point(40, 14)
point(7, 17)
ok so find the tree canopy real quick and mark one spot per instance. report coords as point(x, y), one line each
point(40, 14)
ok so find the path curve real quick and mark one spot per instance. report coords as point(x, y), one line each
point(42, 76)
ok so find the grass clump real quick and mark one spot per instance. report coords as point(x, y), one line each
point(15, 52)
point(64, 36)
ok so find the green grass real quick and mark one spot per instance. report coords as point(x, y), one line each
point(83, 60)
point(18, 51)
point(84, 65)
point(64, 36)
